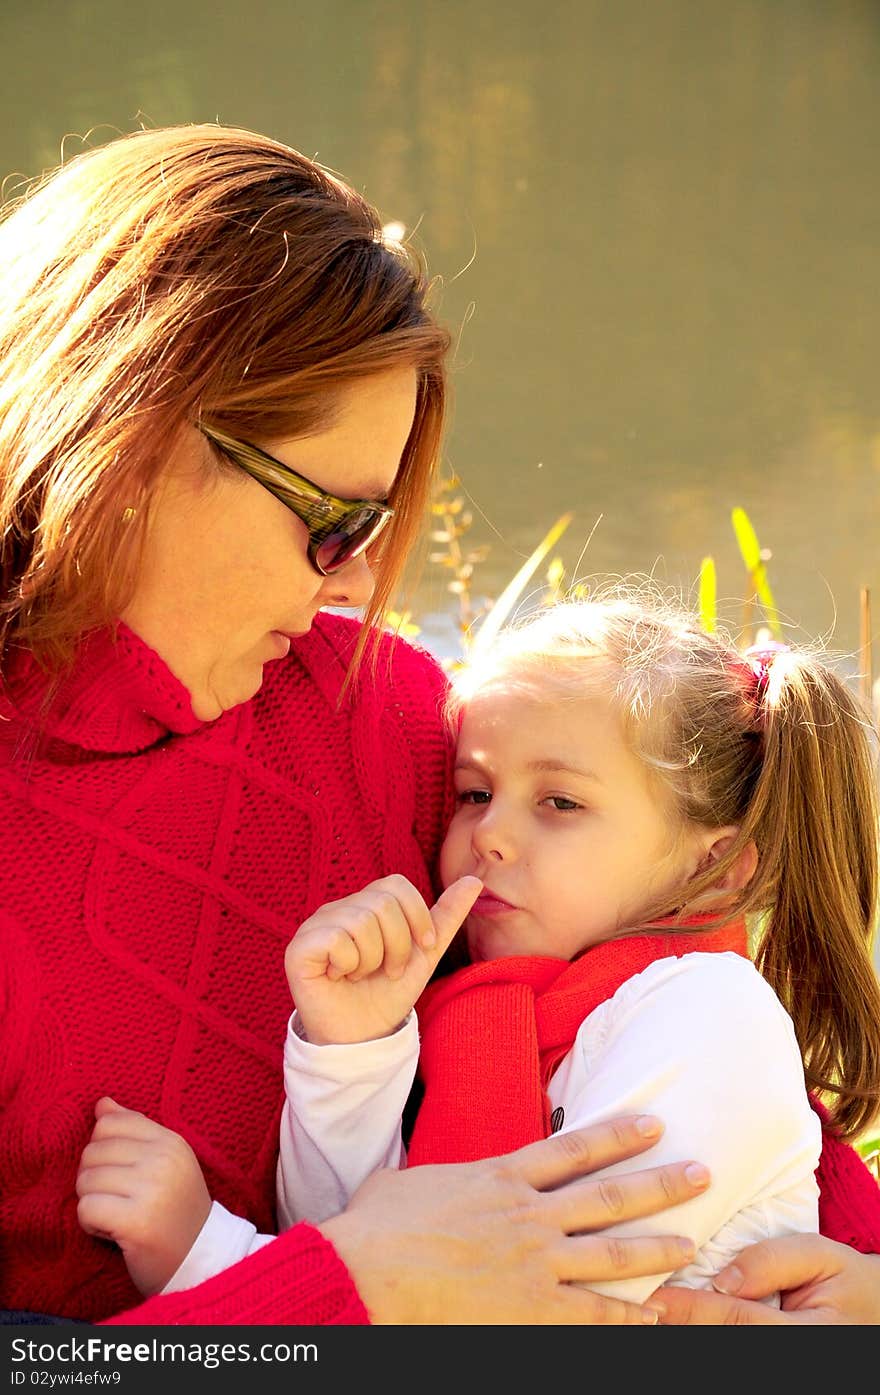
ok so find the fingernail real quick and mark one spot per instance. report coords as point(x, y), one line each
point(651, 1315)
point(697, 1175)
point(687, 1249)
point(648, 1126)
point(429, 940)
point(729, 1280)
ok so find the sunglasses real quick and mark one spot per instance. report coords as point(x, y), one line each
point(339, 529)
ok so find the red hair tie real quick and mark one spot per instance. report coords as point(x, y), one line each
point(759, 657)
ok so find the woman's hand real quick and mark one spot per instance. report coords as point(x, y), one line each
point(141, 1185)
point(357, 966)
point(820, 1280)
point(510, 1240)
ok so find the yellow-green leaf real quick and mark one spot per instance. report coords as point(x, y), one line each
point(708, 595)
point(750, 550)
point(401, 624)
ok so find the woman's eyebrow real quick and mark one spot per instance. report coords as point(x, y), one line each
point(372, 493)
point(375, 492)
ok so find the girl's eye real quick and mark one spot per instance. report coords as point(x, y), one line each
point(563, 805)
point(474, 797)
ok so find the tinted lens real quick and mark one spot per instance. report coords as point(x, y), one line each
point(348, 540)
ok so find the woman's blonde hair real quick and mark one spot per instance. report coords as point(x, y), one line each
point(780, 749)
point(173, 275)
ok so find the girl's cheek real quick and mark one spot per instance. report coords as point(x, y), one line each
point(447, 856)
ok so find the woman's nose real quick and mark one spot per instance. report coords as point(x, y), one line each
point(352, 585)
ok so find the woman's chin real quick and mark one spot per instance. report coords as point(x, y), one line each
point(211, 703)
point(206, 708)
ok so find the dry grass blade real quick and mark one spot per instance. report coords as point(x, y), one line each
point(512, 591)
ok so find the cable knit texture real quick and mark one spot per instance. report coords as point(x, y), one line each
point(849, 1197)
point(155, 869)
point(298, 1280)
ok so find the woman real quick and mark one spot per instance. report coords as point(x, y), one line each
point(221, 403)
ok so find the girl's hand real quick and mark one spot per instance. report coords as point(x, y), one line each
point(141, 1185)
point(357, 966)
point(821, 1281)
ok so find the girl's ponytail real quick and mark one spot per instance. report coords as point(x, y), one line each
point(813, 816)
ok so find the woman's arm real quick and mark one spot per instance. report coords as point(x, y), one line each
point(499, 1241)
point(821, 1282)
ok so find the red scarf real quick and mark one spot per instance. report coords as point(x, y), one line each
point(497, 1031)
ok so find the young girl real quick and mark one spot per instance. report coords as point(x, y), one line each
point(629, 790)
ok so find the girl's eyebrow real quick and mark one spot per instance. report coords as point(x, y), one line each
point(552, 765)
point(548, 765)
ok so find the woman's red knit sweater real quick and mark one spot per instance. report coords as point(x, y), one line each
point(154, 869)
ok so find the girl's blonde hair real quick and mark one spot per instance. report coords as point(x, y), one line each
point(172, 275)
point(780, 749)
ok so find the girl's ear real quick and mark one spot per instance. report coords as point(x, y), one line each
point(743, 869)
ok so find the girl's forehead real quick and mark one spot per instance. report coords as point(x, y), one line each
point(534, 693)
point(529, 715)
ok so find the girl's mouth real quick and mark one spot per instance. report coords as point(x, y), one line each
point(487, 903)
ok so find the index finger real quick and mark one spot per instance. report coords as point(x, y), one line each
point(451, 909)
point(564, 1157)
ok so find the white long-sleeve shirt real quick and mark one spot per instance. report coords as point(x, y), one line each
point(701, 1041)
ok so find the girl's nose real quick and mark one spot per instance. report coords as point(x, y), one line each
point(491, 836)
